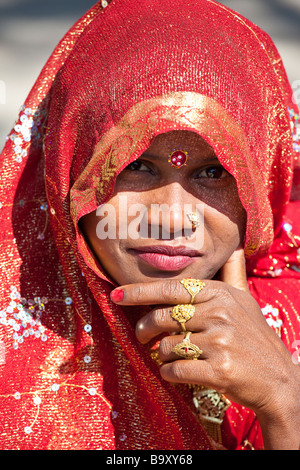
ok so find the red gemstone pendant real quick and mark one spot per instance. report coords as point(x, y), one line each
point(178, 159)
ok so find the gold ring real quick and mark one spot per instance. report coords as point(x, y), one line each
point(193, 286)
point(186, 349)
point(182, 313)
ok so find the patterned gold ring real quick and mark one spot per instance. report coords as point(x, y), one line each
point(182, 313)
point(186, 349)
point(193, 286)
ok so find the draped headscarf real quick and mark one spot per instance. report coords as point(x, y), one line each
point(73, 375)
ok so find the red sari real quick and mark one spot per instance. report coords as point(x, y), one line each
point(73, 375)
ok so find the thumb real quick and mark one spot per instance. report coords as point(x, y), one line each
point(234, 270)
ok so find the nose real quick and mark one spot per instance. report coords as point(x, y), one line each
point(167, 215)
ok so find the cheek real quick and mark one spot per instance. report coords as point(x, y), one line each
point(101, 247)
point(108, 249)
point(225, 219)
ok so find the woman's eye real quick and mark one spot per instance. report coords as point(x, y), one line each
point(137, 165)
point(213, 172)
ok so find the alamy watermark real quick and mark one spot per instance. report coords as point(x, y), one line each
point(157, 221)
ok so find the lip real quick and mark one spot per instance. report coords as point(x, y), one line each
point(167, 258)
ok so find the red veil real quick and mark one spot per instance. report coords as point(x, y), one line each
point(73, 375)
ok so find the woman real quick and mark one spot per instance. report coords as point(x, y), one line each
point(132, 325)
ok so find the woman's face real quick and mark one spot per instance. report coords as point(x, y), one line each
point(145, 232)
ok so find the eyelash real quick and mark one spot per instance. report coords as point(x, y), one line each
point(140, 163)
point(135, 163)
point(224, 173)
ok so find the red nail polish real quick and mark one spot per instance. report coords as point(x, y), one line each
point(117, 295)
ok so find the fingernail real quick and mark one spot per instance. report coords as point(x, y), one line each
point(117, 295)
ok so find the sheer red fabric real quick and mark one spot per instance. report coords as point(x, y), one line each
point(73, 375)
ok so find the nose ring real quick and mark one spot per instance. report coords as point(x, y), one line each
point(194, 219)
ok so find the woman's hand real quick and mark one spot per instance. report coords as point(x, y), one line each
point(242, 357)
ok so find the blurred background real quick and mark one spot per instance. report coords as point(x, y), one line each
point(30, 29)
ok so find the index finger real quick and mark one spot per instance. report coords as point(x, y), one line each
point(167, 291)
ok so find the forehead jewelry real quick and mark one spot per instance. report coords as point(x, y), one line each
point(193, 286)
point(186, 349)
point(178, 158)
point(194, 219)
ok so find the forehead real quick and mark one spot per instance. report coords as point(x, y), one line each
point(186, 141)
